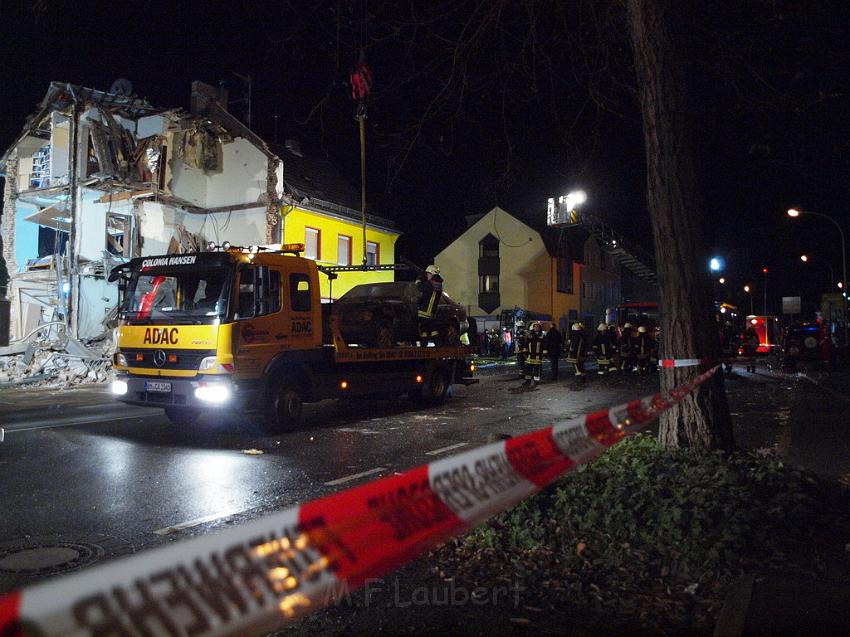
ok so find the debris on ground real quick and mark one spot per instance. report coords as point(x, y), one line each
point(56, 361)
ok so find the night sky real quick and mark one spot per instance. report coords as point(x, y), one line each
point(481, 103)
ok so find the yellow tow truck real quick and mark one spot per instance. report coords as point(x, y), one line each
point(244, 329)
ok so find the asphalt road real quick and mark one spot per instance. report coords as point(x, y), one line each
point(81, 471)
point(84, 478)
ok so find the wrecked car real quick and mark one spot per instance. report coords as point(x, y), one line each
point(385, 314)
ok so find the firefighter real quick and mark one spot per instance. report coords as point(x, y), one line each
point(536, 343)
point(521, 347)
point(575, 351)
point(554, 345)
point(614, 339)
point(604, 350)
point(430, 288)
point(644, 348)
point(627, 349)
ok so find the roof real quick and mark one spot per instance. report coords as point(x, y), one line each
point(322, 185)
point(62, 95)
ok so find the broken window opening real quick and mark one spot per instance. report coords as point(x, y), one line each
point(118, 235)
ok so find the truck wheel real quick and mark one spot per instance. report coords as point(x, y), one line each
point(182, 415)
point(284, 408)
point(435, 389)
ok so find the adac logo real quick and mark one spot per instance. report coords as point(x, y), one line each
point(251, 333)
point(161, 336)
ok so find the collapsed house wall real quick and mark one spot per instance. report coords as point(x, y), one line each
point(161, 224)
point(237, 162)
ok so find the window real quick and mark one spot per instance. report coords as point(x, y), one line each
point(373, 253)
point(118, 235)
point(343, 249)
point(299, 293)
point(488, 247)
point(488, 283)
point(565, 275)
point(313, 243)
point(259, 291)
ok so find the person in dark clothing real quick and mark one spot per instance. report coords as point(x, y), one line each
point(553, 347)
point(521, 347)
point(628, 343)
point(604, 351)
point(576, 349)
point(430, 288)
point(750, 346)
point(536, 343)
point(644, 348)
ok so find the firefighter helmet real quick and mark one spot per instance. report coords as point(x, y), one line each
point(576, 327)
point(536, 324)
point(642, 330)
point(432, 269)
point(601, 327)
point(627, 326)
point(520, 323)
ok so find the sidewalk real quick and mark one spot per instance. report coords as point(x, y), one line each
point(811, 410)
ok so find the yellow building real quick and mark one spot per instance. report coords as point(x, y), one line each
point(501, 263)
point(327, 220)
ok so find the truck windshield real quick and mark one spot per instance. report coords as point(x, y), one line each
point(177, 296)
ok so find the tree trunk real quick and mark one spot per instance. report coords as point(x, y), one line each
point(688, 327)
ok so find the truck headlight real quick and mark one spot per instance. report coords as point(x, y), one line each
point(207, 364)
point(213, 393)
point(210, 364)
point(120, 360)
point(119, 387)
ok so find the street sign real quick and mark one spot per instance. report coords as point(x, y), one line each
point(791, 304)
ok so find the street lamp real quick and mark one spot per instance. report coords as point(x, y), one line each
point(805, 259)
point(721, 280)
point(715, 264)
point(794, 213)
point(748, 289)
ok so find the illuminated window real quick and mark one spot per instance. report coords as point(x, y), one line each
point(488, 283)
point(373, 253)
point(343, 250)
point(312, 243)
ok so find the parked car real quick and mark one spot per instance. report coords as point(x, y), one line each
point(806, 342)
point(384, 314)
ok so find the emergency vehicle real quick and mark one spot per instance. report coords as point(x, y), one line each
point(242, 329)
point(767, 328)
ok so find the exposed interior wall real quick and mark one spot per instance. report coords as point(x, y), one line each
point(26, 234)
point(98, 296)
point(92, 229)
point(242, 177)
point(160, 223)
point(60, 141)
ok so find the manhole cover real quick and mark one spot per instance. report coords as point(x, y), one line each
point(47, 558)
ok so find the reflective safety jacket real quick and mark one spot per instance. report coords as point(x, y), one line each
point(602, 347)
point(536, 348)
point(644, 346)
point(429, 295)
point(576, 346)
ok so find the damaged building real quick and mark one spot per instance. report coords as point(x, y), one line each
point(96, 178)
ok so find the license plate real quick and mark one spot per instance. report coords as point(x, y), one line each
point(161, 388)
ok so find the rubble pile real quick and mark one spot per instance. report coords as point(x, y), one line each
point(57, 364)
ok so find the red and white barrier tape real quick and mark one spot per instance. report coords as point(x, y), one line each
point(684, 362)
point(256, 576)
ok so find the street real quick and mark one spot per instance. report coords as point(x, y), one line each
point(85, 479)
